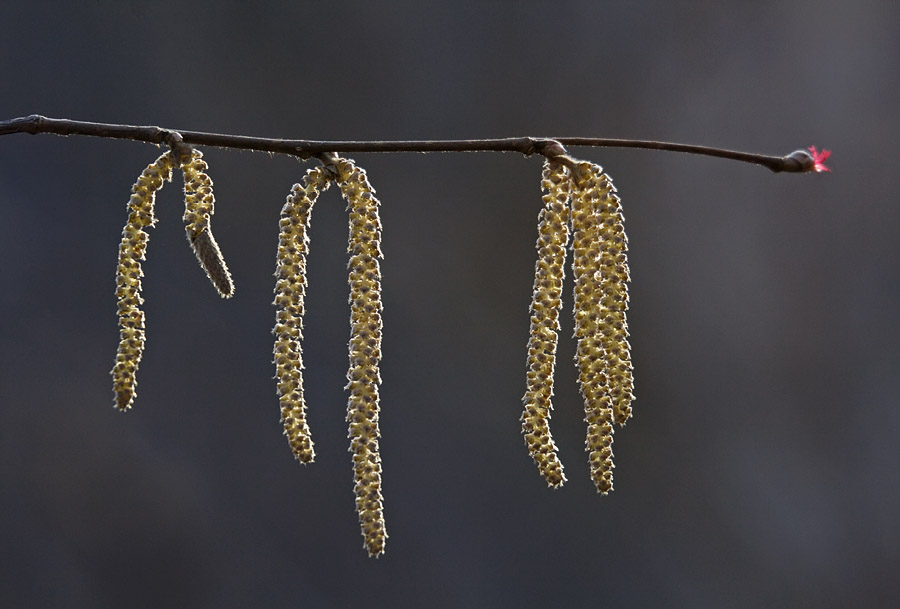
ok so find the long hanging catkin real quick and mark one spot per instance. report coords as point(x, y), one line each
point(546, 303)
point(363, 375)
point(614, 277)
point(290, 295)
point(132, 250)
point(588, 309)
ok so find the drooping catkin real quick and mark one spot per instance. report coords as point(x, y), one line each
point(589, 314)
point(199, 206)
point(132, 250)
point(614, 277)
point(552, 241)
point(290, 295)
point(363, 375)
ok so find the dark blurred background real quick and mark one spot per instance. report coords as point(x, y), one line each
point(762, 467)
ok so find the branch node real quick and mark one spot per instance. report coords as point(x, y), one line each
point(35, 122)
point(555, 152)
point(329, 163)
point(180, 150)
point(549, 148)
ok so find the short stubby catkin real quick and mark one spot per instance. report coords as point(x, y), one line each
point(363, 375)
point(546, 303)
point(199, 206)
point(132, 250)
point(290, 295)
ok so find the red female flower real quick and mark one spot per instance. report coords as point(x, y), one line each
point(819, 159)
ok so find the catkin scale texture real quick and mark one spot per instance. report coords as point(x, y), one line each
point(199, 206)
point(290, 295)
point(546, 303)
point(132, 250)
point(580, 199)
point(614, 277)
point(590, 353)
point(363, 376)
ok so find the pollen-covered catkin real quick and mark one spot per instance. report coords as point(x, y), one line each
point(614, 277)
point(363, 375)
point(199, 206)
point(290, 295)
point(546, 302)
point(589, 314)
point(132, 250)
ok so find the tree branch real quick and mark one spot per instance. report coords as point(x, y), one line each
point(796, 162)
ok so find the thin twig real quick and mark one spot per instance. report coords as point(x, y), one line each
point(550, 147)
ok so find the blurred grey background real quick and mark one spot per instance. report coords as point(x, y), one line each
point(762, 467)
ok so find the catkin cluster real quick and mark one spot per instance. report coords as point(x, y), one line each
point(365, 331)
point(290, 295)
point(580, 206)
point(553, 237)
point(198, 203)
point(580, 197)
point(580, 203)
point(199, 206)
point(132, 250)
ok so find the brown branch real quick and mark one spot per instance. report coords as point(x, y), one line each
point(796, 162)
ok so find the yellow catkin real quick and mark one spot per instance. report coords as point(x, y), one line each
point(199, 206)
point(553, 237)
point(614, 277)
point(591, 354)
point(132, 250)
point(290, 294)
point(365, 350)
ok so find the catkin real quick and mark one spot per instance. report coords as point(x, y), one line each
point(365, 350)
point(132, 250)
point(199, 206)
point(589, 314)
point(290, 294)
point(614, 277)
point(552, 241)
